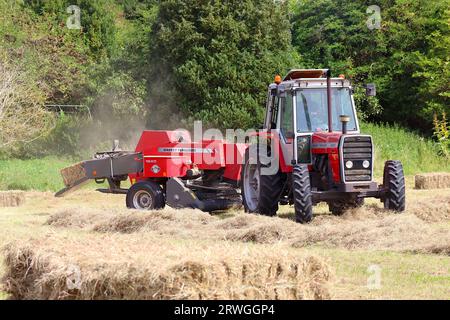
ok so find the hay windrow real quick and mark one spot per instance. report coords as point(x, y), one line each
point(264, 233)
point(432, 209)
point(127, 221)
point(370, 227)
point(12, 198)
point(440, 180)
point(147, 267)
point(83, 218)
point(403, 233)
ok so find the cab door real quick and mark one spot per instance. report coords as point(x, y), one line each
point(285, 126)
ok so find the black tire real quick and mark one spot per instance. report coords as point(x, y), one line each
point(338, 208)
point(269, 193)
point(394, 186)
point(301, 187)
point(145, 195)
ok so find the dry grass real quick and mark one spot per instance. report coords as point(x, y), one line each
point(432, 181)
point(149, 267)
point(370, 227)
point(432, 209)
point(12, 198)
point(115, 247)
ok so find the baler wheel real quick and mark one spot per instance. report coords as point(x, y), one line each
point(301, 186)
point(394, 185)
point(260, 193)
point(145, 195)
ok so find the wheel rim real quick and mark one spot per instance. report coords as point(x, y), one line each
point(142, 200)
point(251, 186)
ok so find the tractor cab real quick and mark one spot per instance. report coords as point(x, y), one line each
point(298, 110)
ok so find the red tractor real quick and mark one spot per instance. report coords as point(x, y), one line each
point(313, 151)
point(309, 151)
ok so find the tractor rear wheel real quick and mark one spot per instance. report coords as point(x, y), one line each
point(301, 187)
point(394, 186)
point(145, 195)
point(260, 193)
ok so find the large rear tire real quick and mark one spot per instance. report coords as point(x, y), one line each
point(145, 195)
point(301, 186)
point(260, 193)
point(394, 186)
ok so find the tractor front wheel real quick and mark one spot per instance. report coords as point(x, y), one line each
point(145, 195)
point(394, 186)
point(301, 186)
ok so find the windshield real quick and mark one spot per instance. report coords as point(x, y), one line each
point(312, 109)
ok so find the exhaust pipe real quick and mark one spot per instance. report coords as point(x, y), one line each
point(330, 111)
point(344, 119)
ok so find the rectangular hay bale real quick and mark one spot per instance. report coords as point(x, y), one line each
point(11, 198)
point(73, 174)
point(432, 181)
point(150, 267)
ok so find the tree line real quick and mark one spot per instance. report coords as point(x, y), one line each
point(155, 62)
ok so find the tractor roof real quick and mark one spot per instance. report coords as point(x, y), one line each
point(305, 74)
point(309, 78)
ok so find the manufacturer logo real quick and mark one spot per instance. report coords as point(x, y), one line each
point(185, 150)
point(156, 169)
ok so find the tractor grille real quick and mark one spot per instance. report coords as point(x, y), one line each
point(357, 150)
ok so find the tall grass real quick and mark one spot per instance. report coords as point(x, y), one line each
point(395, 143)
point(34, 174)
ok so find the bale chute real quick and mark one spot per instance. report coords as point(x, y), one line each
point(111, 166)
point(73, 177)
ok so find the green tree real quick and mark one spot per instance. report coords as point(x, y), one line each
point(407, 57)
point(219, 57)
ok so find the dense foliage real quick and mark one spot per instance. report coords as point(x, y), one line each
point(153, 64)
point(407, 56)
point(220, 56)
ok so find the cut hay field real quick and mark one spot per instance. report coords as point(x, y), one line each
point(88, 246)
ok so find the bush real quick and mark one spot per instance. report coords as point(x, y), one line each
point(22, 114)
point(442, 134)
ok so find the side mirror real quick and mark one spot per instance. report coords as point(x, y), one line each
point(371, 90)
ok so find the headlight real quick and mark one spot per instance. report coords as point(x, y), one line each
point(366, 164)
point(349, 164)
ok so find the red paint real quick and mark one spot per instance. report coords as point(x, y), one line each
point(170, 154)
point(328, 143)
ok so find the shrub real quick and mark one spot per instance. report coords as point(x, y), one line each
point(442, 134)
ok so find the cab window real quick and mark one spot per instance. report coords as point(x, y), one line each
point(286, 120)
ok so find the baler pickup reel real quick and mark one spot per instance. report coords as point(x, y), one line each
point(113, 167)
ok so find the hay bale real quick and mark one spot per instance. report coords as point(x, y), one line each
point(73, 174)
point(145, 267)
point(432, 181)
point(12, 198)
